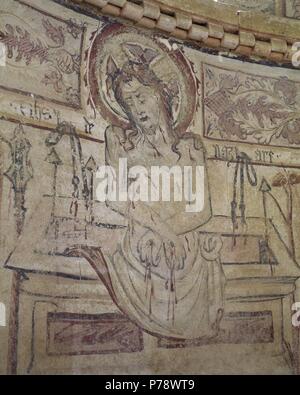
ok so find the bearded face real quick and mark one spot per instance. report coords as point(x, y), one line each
point(142, 104)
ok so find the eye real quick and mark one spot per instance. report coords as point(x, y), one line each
point(129, 101)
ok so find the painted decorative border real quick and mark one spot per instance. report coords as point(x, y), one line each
point(232, 32)
point(80, 31)
point(244, 120)
point(87, 334)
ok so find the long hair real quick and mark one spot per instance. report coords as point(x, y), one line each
point(141, 72)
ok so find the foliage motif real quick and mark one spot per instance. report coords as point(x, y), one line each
point(255, 109)
point(21, 46)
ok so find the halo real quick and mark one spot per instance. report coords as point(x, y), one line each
point(170, 65)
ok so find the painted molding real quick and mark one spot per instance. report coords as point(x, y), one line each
point(209, 24)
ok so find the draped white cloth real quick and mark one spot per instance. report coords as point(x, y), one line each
point(192, 310)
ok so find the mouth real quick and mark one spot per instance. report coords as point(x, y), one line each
point(144, 118)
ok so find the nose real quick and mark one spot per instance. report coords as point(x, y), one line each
point(136, 106)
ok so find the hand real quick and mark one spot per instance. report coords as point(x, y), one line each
point(175, 253)
point(210, 246)
point(153, 249)
point(150, 249)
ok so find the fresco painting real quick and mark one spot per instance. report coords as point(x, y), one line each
point(130, 285)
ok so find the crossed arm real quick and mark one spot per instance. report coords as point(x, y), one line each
point(149, 216)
